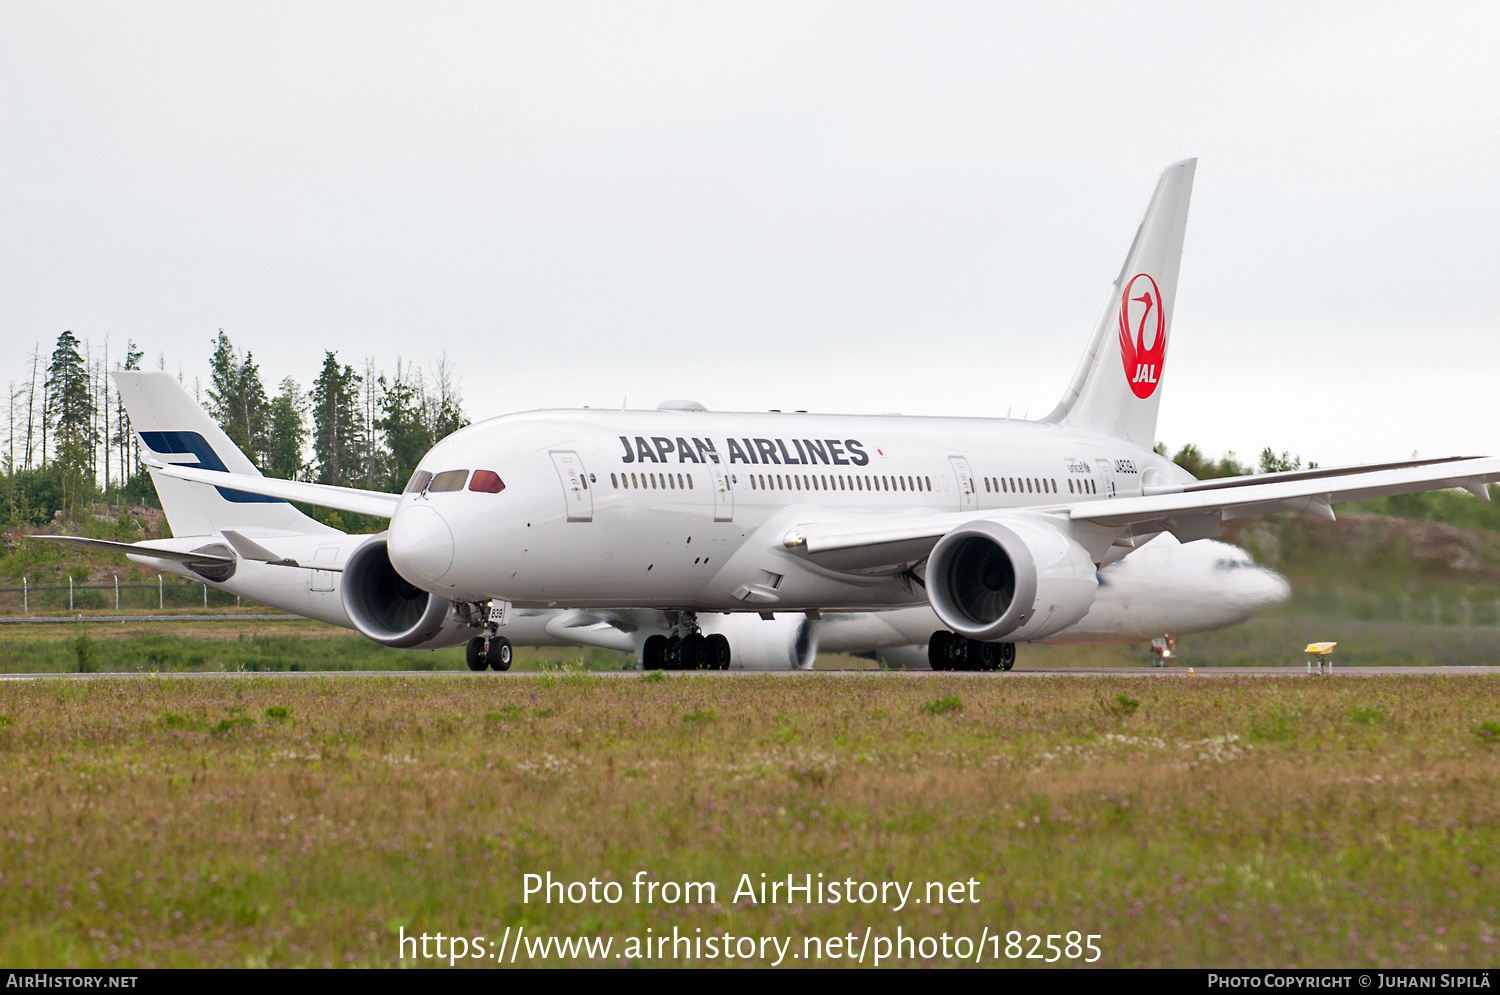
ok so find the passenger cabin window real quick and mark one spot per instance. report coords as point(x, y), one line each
point(448, 480)
point(418, 482)
point(486, 482)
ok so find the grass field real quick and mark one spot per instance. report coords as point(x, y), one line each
point(261, 646)
point(1186, 821)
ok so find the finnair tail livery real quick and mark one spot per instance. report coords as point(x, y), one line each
point(1000, 525)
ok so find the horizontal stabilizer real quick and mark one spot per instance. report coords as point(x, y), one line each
point(350, 499)
point(139, 549)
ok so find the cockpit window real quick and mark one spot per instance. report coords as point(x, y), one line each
point(486, 482)
point(1233, 564)
point(418, 482)
point(448, 480)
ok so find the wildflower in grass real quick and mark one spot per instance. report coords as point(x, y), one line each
point(1488, 732)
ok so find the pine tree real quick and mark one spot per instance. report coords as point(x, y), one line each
point(70, 410)
point(407, 437)
point(442, 403)
point(288, 432)
point(237, 399)
point(336, 422)
point(125, 438)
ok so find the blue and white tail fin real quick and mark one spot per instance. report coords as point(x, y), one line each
point(1117, 387)
point(175, 429)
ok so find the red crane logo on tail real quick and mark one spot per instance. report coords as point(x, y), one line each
point(1141, 315)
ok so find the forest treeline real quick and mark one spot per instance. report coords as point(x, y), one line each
point(69, 443)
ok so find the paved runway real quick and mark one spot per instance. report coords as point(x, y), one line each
point(1162, 672)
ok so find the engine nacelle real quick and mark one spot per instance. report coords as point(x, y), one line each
point(1017, 581)
point(386, 607)
point(786, 642)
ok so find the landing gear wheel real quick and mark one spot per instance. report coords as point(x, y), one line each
point(988, 656)
point(1007, 655)
point(499, 653)
point(718, 652)
point(693, 652)
point(937, 650)
point(653, 653)
point(960, 653)
point(474, 654)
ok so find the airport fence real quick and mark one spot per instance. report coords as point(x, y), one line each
point(74, 596)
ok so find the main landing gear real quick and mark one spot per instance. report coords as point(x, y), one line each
point(493, 652)
point(687, 648)
point(950, 651)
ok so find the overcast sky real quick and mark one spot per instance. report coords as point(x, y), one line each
point(839, 207)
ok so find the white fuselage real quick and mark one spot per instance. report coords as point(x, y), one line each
point(688, 509)
point(1165, 588)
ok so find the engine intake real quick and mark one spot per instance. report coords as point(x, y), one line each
point(1022, 580)
point(386, 607)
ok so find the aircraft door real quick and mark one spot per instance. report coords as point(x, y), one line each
point(575, 485)
point(723, 496)
point(321, 581)
point(966, 496)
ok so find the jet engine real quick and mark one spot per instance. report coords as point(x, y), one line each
point(1018, 581)
point(386, 607)
point(786, 642)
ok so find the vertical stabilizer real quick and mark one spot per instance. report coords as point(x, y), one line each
point(176, 429)
point(1117, 387)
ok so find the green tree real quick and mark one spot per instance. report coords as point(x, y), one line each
point(1271, 463)
point(237, 399)
point(442, 403)
point(407, 437)
point(1191, 459)
point(70, 410)
point(124, 437)
point(336, 422)
point(288, 432)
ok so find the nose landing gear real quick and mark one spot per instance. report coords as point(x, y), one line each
point(493, 652)
point(687, 648)
point(490, 650)
point(950, 651)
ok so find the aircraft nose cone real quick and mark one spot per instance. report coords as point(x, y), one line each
point(1273, 589)
point(420, 544)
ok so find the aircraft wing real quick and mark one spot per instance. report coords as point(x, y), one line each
point(1193, 511)
point(140, 549)
point(1271, 492)
point(352, 499)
